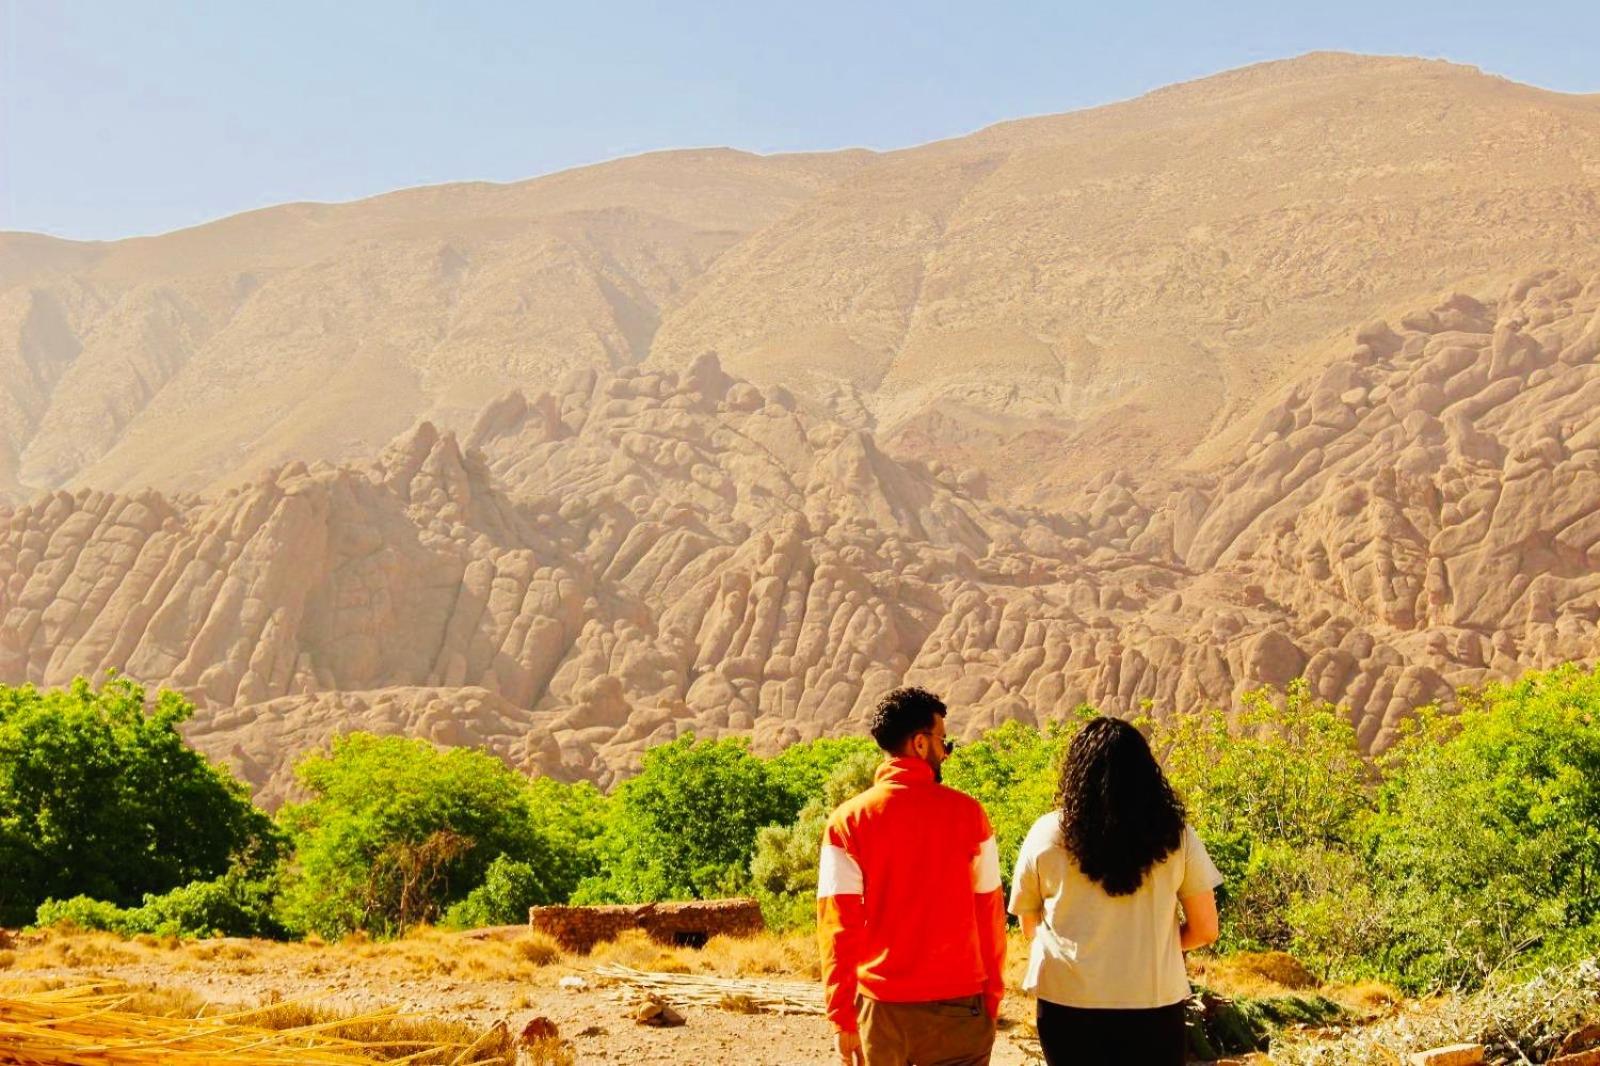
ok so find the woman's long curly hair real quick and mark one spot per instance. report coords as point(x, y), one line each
point(1119, 816)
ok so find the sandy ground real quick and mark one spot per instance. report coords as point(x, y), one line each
point(596, 1019)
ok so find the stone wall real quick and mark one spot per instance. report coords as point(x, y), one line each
point(578, 929)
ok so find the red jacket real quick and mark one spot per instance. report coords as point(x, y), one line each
point(909, 907)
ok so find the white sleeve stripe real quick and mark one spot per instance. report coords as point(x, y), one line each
point(986, 867)
point(837, 873)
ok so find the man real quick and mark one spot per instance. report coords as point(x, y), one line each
point(909, 911)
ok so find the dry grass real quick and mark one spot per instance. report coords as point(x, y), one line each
point(549, 1052)
point(780, 954)
point(91, 1025)
point(636, 950)
point(397, 1037)
point(1366, 997)
point(1257, 974)
point(427, 953)
point(73, 951)
point(537, 949)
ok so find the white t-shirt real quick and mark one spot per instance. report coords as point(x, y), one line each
point(1102, 951)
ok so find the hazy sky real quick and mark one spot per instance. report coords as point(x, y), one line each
point(126, 116)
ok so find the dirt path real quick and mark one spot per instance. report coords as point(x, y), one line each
point(595, 1019)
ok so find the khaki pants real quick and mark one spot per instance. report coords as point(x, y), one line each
point(944, 1032)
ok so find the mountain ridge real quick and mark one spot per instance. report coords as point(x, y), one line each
point(636, 554)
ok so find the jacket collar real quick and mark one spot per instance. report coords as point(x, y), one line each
point(900, 770)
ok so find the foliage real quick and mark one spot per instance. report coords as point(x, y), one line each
point(508, 890)
point(801, 771)
point(234, 904)
point(784, 867)
point(1282, 797)
point(100, 796)
point(396, 831)
point(1471, 849)
point(1518, 1018)
point(85, 912)
point(1219, 1026)
point(684, 827)
point(1013, 770)
point(1489, 842)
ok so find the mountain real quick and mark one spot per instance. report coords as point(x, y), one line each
point(1290, 372)
point(636, 554)
point(319, 331)
point(1043, 301)
point(1119, 287)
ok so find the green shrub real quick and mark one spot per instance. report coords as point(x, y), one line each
point(82, 912)
point(396, 831)
point(1218, 1026)
point(1013, 770)
point(232, 905)
point(1283, 799)
point(508, 890)
point(784, 867)
point(1489, 840)
point(100, 796)
point(801, 771)
point(685, 825)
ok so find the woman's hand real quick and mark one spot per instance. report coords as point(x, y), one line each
point(1199, 926)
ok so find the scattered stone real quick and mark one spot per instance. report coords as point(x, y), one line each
point(538, 1030)
point(1581, 1039)
point(573, 983)
point(1590, 1057)
point(1453, 1055)
point(654, 1011)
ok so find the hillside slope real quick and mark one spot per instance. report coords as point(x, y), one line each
point(1124, 287)
point(635, 554)
point(1115, 288)
point(319, 331)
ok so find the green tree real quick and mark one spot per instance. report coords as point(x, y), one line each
point(100, 796)
point(1013, 770)
point(1282, 797)
point(802, 770)
point(1489, 838)
point(508, 890)
point(784, 867)
point(397, 830)
point(685, 825)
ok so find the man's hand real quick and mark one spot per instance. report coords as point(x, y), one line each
point(849, 1045)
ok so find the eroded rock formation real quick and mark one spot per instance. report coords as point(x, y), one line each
point(632, 555)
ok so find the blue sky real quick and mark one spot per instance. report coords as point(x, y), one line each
point(132, 117)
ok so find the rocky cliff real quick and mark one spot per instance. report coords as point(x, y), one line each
point(636, 553)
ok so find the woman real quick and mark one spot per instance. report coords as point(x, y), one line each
point(1097, 886)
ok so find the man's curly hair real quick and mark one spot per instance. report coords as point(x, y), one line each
point(1119, 816)
point(903, 713)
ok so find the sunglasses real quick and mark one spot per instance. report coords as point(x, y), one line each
point(949, 745)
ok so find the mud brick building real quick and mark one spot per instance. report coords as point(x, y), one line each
point(690, 924)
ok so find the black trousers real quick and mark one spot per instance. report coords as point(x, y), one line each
point(1076, 1036)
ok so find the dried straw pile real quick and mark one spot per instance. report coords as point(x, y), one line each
point(85, 1026)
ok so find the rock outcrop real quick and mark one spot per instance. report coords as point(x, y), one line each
point(637, 554)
